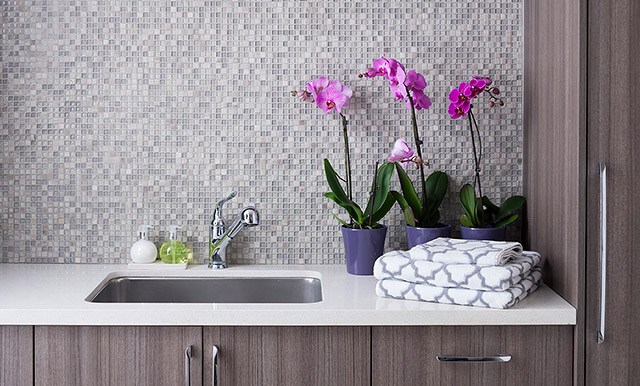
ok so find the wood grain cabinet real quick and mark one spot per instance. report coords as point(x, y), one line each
point(581, 174)
point(457, 356)
point(141, 356)
point(283, 356)
point(16, 355)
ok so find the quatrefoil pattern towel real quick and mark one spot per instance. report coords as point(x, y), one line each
point(492, 299)
point(400, 265)
point(457, 251)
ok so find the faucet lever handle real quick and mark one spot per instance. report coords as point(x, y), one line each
point(217, 213)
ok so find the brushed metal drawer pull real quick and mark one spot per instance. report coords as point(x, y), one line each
point(603, 249)
point(187, 366)
point(214, 366)
point(453, 358)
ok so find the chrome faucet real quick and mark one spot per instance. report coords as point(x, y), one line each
point(220, 236)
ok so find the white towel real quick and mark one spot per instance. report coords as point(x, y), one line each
point(400, 265)
point(492, 299)
point(457, 251)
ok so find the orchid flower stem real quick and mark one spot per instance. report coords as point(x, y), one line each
point(416, 137)
point(347, 159)
point(477, 162)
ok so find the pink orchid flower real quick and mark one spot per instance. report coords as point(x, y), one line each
point(475, 88)
point(486, 79)
point(415, 81)
point(459, 110)
point(401, 153)
point(420, 100)
point(333, 97)
point(459, 95)
point(399, 92)
point(317, 86)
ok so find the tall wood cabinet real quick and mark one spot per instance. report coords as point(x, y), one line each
point(582, 173)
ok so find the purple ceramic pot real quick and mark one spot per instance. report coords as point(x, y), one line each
point(497, 234)
point(362, 248)
point(418, 235)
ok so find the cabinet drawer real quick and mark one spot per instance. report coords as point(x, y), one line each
point(495, 355)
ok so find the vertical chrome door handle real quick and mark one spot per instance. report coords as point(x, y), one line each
point(214, 367)
point(603, 249)
point(187, 366)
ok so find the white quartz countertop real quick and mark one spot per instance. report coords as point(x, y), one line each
point(54, 294)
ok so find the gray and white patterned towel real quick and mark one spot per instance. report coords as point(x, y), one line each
point(457, 251)
point(400, 265)
point(399, 289)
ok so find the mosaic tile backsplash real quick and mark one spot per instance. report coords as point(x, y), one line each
point(117, 113)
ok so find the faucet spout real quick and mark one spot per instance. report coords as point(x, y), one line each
point(218, 246)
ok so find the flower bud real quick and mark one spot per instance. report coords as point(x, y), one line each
point(491, 104)
point(496, 91)
point(501, 103)
point(417, 159)
point(303, 95)
point(417, 166)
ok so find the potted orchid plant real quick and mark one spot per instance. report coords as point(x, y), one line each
point(363, 235)
point(421, 213)
point(481, 220)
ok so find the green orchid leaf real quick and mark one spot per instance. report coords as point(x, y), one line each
point(385, 172)
point(342, 221)
point(384, 209)
point(437, 184)
point(464, 221)
point(490, 205)
point(406, 209)
point(509, 206)
point(468, 200)
point(506, 221)
point(352, 208)
point(334, 182)
point(408, 191)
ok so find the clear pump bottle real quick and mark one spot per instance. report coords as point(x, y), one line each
point(173, 251)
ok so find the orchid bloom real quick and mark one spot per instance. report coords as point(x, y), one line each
point(475, 88)
point(333, 97)
point(457, 95)
point(317, 86)
point(420, 100)
point(415, 81)
point(487, 80)
point(401, 153)
point(459, 110)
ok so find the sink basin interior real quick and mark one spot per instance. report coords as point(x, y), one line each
point(154, 289)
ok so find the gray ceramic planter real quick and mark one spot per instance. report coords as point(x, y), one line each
point(496, 234)
point(418, 235)
point(362, 248)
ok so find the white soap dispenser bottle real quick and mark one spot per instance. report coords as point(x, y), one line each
point(144, 251)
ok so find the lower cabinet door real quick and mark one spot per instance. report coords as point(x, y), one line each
point(296, 356)
point(141, 356)
point(16, 355)
point(472, 356)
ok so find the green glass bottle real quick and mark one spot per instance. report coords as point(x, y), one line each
point(173, 251)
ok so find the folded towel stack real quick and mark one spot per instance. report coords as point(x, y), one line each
point(493, 274)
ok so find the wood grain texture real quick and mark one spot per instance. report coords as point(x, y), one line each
point(541, 355)
point(16, 355)
point(555, 141)
point(614, 138)
point(289, 355)
point(152, 356)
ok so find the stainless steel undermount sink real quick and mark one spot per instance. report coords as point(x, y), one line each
point(184, 289)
